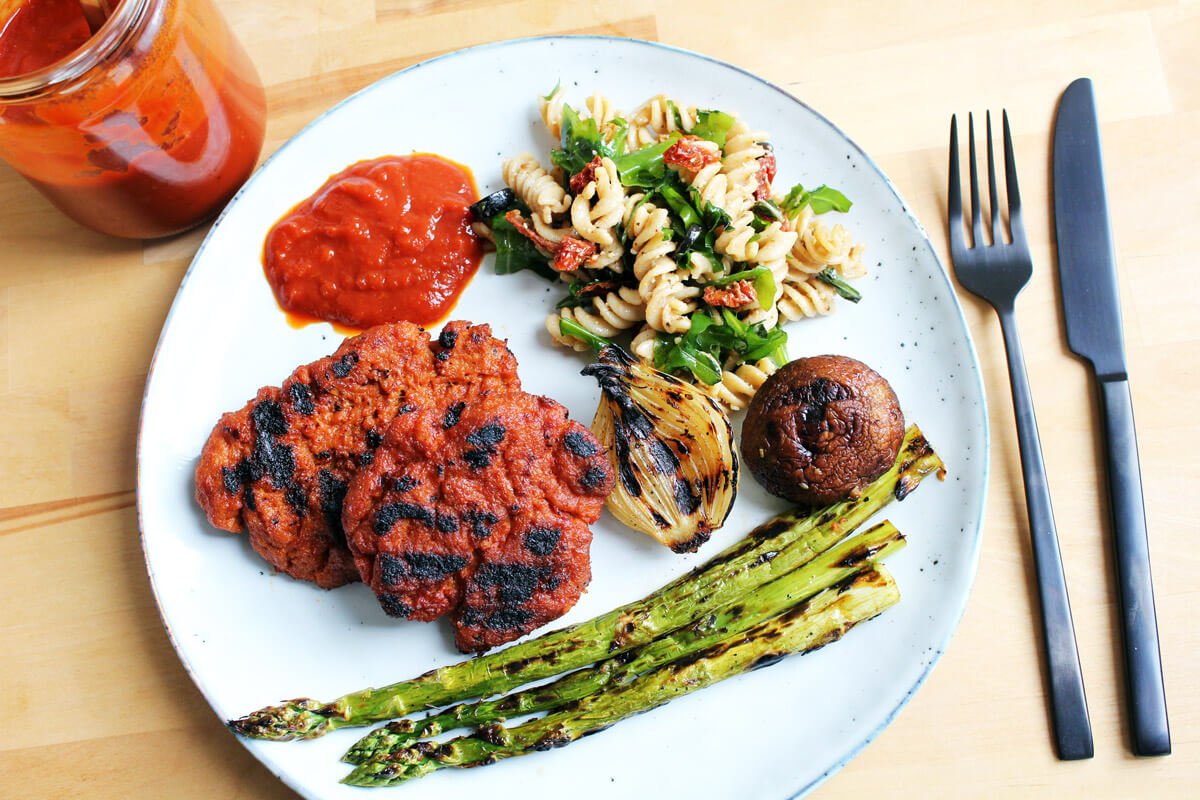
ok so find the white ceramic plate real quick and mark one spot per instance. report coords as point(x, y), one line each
point(249, 637)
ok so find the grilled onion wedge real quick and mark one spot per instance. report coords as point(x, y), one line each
point(671, 447)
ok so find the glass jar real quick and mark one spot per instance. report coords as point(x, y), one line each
point(145, 130)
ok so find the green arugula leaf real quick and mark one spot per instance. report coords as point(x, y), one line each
point(579, 143)
point(766, 209)
point(821, 200)
point(571, 301)
point(674, 109)
point(619, 137)
point(572, 328)
point(713, 125)
point(644, 168)
point(830, 276)
point(678, 354)
point(678, 203)
point(760, 277)
point(705, 346)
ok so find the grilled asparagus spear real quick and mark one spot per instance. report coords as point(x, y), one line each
point(827, 569)
point(804, 627)
point(769, 551)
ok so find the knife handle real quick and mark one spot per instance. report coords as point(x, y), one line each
point(1068, 703)
point(1139, 625)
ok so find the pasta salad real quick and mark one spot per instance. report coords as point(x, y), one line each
point(663, 224)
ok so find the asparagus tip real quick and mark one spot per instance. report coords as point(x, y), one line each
point(293, 719)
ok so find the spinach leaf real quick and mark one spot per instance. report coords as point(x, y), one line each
point(821, 199)
point(514, 252)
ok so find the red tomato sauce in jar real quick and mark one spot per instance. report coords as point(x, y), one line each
point(154, 135)
point(384, 240)
point(40, 33)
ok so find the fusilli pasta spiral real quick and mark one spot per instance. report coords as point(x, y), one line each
point(534, 186)
point(615, 312)
point(738, 387)
point(809, 298)
point(742, 151)
point(551, 109)
point(644, 224)
point(655, 119)
point(597, 209)
point(741, 242)
point(818, 245)
point(642, 345)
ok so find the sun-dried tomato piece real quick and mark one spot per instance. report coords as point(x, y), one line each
point(572, 253)
point(734, 295)
point(585, 176)
point(526, 229)
point(766, 174)
point(691, 153)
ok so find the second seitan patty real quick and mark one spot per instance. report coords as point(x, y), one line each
point(479, 508)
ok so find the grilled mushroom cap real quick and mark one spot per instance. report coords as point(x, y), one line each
point(821, 427)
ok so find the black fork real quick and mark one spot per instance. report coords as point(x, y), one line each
point(996, 273)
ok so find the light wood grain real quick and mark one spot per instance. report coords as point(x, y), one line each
point(99, 707)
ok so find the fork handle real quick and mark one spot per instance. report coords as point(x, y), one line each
point(1072, 726)
point(1139, 626)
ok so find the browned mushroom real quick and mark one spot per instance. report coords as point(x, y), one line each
point(820, 428)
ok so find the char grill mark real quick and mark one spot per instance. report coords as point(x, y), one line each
point(481, 522)
point(393, 606)
point(542, 541)
point(392, 513)
point(302, 399)
point(453, 414)
point(345, 364)
point(580, 445)
point(432, 566)
point(484, 441)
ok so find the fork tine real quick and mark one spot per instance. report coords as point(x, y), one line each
point(994, 206)
point(976, 216)
point(1015, 224)
point(954, 196)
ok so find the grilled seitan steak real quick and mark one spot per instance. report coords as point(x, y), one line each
point(479, 508)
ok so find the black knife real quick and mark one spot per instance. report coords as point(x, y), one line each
point(1088, 277)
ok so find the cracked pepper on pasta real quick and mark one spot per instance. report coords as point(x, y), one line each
point(664, 226)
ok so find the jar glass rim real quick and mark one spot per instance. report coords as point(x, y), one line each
point(115, 31)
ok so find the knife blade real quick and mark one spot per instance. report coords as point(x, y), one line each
point(1092, 309)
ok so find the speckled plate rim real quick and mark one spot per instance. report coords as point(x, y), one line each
point(976, 539)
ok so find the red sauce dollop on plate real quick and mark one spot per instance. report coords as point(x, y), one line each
point(382, 241)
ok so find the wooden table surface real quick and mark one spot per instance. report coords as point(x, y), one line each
point(96, 702)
